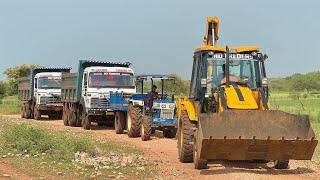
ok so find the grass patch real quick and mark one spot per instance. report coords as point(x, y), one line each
point(40, 152)
point(10, 105)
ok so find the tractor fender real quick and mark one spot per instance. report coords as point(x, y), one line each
point(186, 105)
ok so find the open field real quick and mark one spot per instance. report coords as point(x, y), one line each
point(9, 105)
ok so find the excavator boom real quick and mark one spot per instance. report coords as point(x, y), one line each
point(211, 38)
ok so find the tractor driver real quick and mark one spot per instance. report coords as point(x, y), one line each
point(153, 94)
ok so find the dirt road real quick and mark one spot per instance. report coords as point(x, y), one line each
point(164, 152)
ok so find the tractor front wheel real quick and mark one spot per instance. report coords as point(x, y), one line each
point(146, 129)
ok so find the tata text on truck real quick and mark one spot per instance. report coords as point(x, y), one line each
point(40, 93)
point(86, 94)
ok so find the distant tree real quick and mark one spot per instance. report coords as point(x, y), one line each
point(14, 73)
point(3, 87)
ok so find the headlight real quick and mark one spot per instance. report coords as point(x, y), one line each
point(163, 106)
point(94, 102)
point(156, 105)
point(172, 106)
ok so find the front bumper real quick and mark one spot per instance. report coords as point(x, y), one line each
point(159, 122)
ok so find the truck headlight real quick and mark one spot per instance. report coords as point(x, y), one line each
point(94, 102)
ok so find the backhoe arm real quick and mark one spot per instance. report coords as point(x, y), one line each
point(211, 37)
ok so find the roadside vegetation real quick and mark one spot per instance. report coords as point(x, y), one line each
point(44, 153)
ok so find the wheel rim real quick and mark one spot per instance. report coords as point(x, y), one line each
point(129, 122)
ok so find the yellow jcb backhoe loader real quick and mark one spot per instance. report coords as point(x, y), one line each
point(227, 115)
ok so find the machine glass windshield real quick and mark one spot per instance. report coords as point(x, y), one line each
point(112, 80)
point(238, 70)
point(53, 82)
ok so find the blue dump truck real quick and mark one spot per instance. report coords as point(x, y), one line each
point(86, 94)
point(147, 110)
point(40, 93)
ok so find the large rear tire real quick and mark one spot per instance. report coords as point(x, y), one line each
point(185, 138)
point(170, 133)
point(198, 162)
point(119, 122)
point(281, 164)
point(146, 128)
point(134, 116)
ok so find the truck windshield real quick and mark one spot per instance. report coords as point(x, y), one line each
point(238, 70)
point(111, 80)
point(53, 82)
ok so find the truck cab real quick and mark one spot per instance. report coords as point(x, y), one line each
point(98, 82)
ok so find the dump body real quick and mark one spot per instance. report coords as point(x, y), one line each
point(251, 135)
point(69, 87)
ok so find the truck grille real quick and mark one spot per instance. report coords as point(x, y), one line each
point(49, 100)
point(103, 102)
point(166, 114)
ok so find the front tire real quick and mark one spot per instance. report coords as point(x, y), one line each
point(185, 138)
point(134, 116)
point(119, 122)
point(37, 114)
point(86, 122)
point(281, 164)
point(146, 129)
point(169, 133)
point(199, 163)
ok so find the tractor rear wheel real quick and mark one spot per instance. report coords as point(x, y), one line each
point(185, 138)
point(119, 122)
point(134, 116)
point(169, 133)
point(146, 129)
point(281, 164)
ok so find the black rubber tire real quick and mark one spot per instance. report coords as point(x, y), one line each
point(185, 143)
point(198, 162)
point(146, 128)
point(169, 133)
point(28, 111)
point(79, 117)
point(65, 117)
point(36, 114)
point(86, 121)
point(119, 122)
point(23, 111)
point(72, 117)
point(281, 164)
point(134, 116)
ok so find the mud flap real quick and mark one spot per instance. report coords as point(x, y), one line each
point(251, 135)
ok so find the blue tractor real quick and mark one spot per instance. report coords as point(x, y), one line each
point(159, 109)
point(147, 110)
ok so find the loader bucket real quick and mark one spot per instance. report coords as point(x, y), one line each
point(255, 135)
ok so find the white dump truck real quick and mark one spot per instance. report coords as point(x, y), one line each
point(40, 93)
point(86, 94)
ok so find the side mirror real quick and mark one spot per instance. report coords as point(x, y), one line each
point(203, 83)
point(264, 82)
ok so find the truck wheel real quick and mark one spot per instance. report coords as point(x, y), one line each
point(86, 122)
point(198, 162)
point(65, 116)
point(119, 122)
point(281, 164)
point(22, 111)
point(134, 116)
point(37, 114)
point(73, 118)
point(146, 129)
point(185, 138)
point(28, 111)
point(170, 133)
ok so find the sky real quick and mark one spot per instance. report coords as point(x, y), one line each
point(156, 36)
